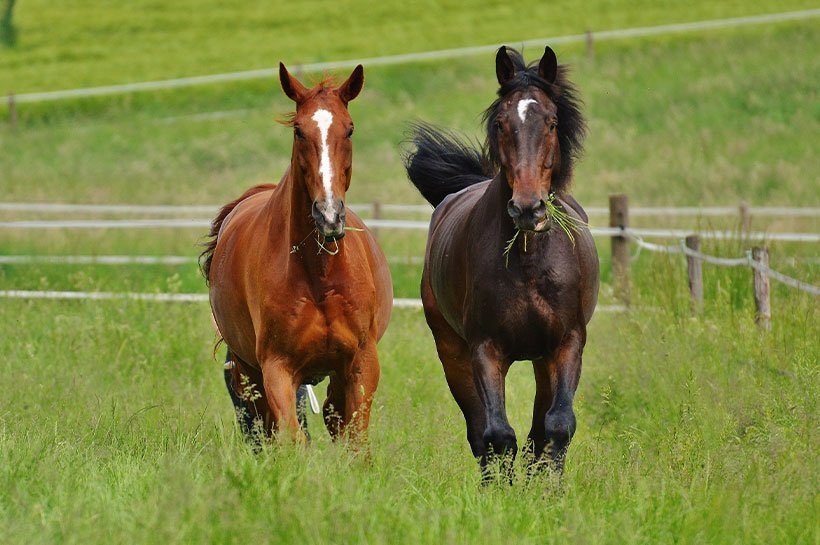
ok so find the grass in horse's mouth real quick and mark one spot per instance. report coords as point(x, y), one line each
point(559, 217)
point(296, 247)
point(556, 215)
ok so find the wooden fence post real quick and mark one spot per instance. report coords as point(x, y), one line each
point(619, 217)
point(745, 218)
point(763, 309)
point(590, 45)
point(12, 110)
point(694, 266)
point(377, 214)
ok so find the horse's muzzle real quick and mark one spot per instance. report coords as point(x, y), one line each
point(529, 217)
point(330, 218)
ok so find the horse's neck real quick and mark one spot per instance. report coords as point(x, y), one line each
point(293, 205)
point(493, 203)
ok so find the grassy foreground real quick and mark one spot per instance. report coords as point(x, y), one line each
point(115, 425)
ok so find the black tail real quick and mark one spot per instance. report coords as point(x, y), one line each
point(443, 163)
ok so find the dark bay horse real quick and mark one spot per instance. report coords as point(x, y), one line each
point(489, 301)
point(294, 298)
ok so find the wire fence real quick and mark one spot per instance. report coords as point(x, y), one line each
point(745, 261)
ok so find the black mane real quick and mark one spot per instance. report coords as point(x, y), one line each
point(443, 163)
point(571, 123)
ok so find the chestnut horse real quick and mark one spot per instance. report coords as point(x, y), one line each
point(295, 301)
point(489, 299)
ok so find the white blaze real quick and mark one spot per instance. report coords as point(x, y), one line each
point(523, 104)
point(324, 119)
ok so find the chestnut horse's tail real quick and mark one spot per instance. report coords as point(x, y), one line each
point(443, 163)
point(206, 256)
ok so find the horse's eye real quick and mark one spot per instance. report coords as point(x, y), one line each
point(553, 125)
point(297, 132)
point(349, 132)
point(499, 127)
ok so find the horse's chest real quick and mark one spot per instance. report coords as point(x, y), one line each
point(526, 314)
point(327, 325)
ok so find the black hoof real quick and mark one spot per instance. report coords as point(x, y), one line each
point(559, 428)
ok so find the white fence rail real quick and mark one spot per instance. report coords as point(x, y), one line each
point(184, 298)
point(164, 209)
point(414, 57)
point(141, 259)
point(403, 224)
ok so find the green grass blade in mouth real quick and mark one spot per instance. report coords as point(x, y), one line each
point(564, 221)
point(508, 248)
point(556, 215)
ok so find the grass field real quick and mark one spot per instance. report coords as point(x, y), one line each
point(670, 123)
point(114, 423)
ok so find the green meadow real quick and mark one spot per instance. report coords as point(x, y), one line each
point(114, 422)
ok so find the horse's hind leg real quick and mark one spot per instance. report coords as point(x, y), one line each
point(301, 408)
point(537, 439)
point(334, 406)
point(243, 416)
point(244, 388)
point(553, 418)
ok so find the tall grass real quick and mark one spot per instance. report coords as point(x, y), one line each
point(115, 425)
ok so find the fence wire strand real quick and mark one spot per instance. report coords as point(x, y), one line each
point(747, 261)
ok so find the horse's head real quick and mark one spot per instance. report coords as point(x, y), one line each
point(533, 131)
point(322, 147)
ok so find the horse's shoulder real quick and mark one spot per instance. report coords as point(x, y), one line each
point(461, 200)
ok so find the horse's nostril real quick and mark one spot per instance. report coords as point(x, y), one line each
point(513, 209)
point(540, 210)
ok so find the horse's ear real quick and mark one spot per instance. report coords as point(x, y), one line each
point(290, 85)
point(351, 88)
point(504, 67)
point(548, 67)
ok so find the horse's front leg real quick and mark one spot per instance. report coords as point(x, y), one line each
point(562, 373)
point(280, 393)
point(350, 395)
point(361, 381)
point(489, 371)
